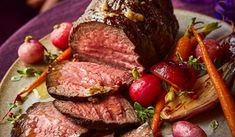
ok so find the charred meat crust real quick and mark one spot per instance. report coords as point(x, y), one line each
point(103, 134)
point(56, 88)
point(38, 116)
point(112, 113)
point(152, 36)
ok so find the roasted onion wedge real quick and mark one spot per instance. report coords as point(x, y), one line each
point(184, 106)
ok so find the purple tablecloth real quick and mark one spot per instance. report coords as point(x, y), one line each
point(68, 10)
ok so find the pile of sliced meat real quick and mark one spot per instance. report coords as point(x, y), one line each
point(108, 41)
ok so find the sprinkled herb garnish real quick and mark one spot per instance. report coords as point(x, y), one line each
point(144, 114)
point(26, 72)
point(166, 86)
point(49, 57)
point(16, 78)
point(13, 117)
point(135, 73)
point(214, 124)
point(181, 93)
point(12, 105)
point(195, 63)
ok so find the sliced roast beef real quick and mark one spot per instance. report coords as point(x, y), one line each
point(44, 120)
point(125, 33)
point(78, 81)
point(112, 113)
point(142, 131)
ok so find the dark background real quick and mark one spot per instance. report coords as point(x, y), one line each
point(13, 14)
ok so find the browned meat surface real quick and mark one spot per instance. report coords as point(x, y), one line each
point(142, 131)
point(103, 134)
point(81, 80)
point(130, 33)
point(112, 113)
point(44, 120)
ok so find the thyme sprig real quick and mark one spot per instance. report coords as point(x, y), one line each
point(13, 117)
point(144, 114)
point(194, 62)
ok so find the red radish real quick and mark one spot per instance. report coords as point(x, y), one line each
point(60, 35)
point(187, 129)
point(179, 75)
point(215, 51)
point(145, 90)
point(31, 51)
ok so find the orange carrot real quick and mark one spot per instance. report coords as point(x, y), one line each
point(226, 100)
point(187, 42)
point(182, 49)
point(158, 108)
point(65, 55)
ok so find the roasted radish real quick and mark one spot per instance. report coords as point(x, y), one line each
point(145, 90)
point(187, 129)
point(60, 35)
point(31, 51)
point(179, 75)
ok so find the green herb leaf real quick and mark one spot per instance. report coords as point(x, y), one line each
point(21, 72)
point(13, 117)
point(12, 105)
point(181, 93)
point(195, 63)
point(135, 73)
point(137, 106)
point(38, 73)
point(49, 57)
point(29, 72)
point(166, 86)
point(214, 124)
point(144, 114)
point(16, 78)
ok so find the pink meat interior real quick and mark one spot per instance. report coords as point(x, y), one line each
point(74, 78)
point(107, 44)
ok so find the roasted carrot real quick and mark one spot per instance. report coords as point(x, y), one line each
point(187, 42)
point(182, 49)
point(225, 98)
point(65, 55)
point(158, 108)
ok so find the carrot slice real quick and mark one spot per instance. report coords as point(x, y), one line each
point(226, 100)
point(65, 55)
point(157, 111)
